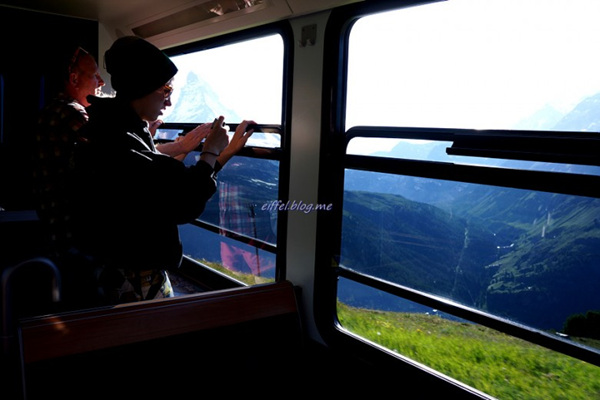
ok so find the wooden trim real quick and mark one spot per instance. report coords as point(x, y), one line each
point(79, 332)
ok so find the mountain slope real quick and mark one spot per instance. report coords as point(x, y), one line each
point(416, 244)
point(528, 256)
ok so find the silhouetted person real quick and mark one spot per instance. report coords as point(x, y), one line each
point(129, 198)
point(58, 131)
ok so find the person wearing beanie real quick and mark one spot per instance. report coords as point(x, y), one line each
point(130, 198)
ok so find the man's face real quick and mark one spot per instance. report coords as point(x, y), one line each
point(88, 79)
point(153, 104)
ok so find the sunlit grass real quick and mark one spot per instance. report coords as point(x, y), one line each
point(248, 279)
point(499, 365)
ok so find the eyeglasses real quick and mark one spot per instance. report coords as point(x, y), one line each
point(167, 90)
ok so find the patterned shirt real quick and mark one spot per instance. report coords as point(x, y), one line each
point(55, 141)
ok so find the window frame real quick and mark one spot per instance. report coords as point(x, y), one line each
point(280, 154)
point(574, 148)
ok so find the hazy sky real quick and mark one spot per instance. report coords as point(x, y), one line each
point(493, 61)
point(483, 64)
point(247, 77)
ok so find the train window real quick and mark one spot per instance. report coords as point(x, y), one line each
point(467, 244)
point(438, 150)
point(501, 365)
point(243, 243)
point(211, 82)
point(488, 247)
point(237, 232)
point(478, 65)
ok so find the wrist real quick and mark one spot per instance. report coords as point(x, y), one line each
point(209, 157)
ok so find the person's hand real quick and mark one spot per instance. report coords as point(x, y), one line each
point(217, 138)
point(153, 126)
point(240, 137)
point(237, 142)
point(191, 140)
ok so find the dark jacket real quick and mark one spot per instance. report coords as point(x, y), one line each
point(130, 198)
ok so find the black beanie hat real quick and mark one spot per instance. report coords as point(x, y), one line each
point(137, 67)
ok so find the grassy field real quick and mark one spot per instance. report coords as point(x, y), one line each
point(248, 279)
point(499, 365)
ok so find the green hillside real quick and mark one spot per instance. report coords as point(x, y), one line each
point(416, 244)
point(552, 263)
point(497, 364)
point(528, 256)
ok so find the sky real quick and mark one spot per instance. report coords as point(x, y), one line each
point(247, 76)
point(478, 64)
point(482, 64)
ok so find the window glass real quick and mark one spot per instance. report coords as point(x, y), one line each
point(526, 256)
point(500, 365)
point(521, 254)
point(430, 150)
point(244, 262)
point(241, 209)
point(214, 82)
point(478, 64)
point(239, 81)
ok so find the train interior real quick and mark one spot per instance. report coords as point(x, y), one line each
point(247, 342)
point(279, 335)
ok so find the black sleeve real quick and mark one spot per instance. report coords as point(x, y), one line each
point(169, 189)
